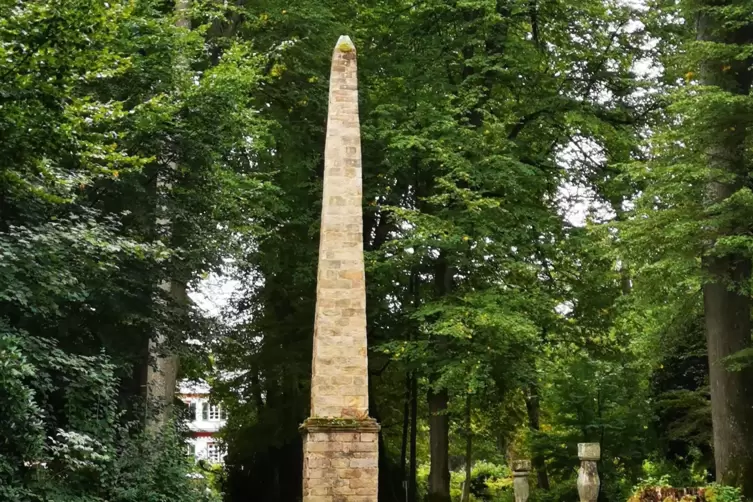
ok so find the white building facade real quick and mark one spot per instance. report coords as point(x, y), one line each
point(206, 419)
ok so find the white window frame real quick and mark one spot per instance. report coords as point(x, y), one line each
point(214, 453)
point(214, 413)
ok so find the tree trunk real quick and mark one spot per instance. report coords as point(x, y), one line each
point(468, 450)
point(162, 371)
point(439, 431)
point(533, 408)
point(406, 426)
point(726, 295)
point(413, 463)
point(439, 420)
point(413, 299)
point(728, 327)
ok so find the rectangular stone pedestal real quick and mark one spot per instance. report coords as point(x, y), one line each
point(340, 460)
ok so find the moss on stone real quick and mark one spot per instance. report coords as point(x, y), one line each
point(345, 44)
point(339, 424)
point(345, 47)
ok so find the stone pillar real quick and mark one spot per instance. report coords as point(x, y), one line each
point(340, 447)
point(520, 471)
point(588, 476)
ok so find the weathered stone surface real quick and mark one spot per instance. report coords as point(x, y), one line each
point(521, 466)
point(589, 451)
point(588, 476)
point(340, 460)
point(339, 385)
point(520, 471)
point(341, 448)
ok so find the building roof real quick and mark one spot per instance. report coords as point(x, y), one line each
point(193, 387)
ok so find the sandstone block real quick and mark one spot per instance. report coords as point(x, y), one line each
point(360, 446)
point(363, 462)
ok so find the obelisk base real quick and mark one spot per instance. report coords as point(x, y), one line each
point(340, 460)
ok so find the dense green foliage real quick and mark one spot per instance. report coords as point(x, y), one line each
point(92, 110)
point(556, 197)
point(475, 115)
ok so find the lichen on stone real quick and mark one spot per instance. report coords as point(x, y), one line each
point(345, 44)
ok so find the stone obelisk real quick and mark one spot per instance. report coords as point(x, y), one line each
point(340, 447)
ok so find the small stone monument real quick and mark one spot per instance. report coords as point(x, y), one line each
point(340, 447)
point(588, 476)
point(520, 471)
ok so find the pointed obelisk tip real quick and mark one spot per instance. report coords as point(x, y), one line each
point(345, 44)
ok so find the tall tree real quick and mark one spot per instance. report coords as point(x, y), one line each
point(162, 366)
point(722, 27)
point(699, 193)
